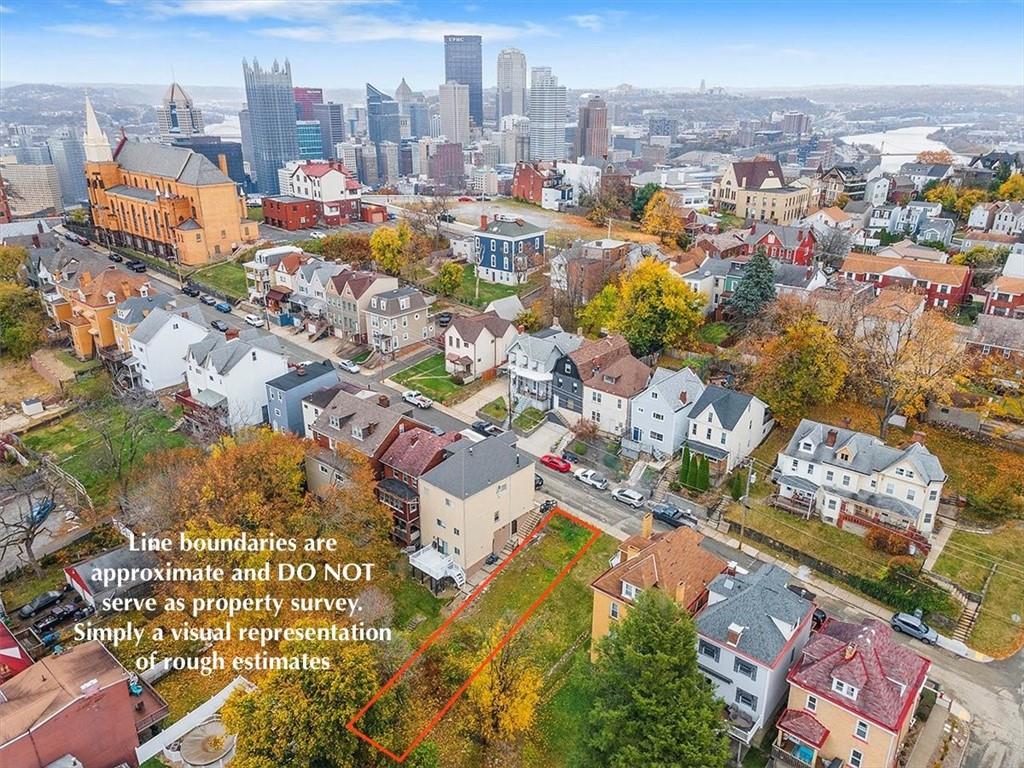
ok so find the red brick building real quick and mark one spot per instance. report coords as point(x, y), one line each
point(290, 212)
point(1005, 297)
point(530, 179)
point(945, 286)
point(794, 245)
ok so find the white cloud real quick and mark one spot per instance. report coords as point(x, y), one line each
point(5, 9)
point(84, 30)
point(590, 21)
point(243, 10)
point(361, 28)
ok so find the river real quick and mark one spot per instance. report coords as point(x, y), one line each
point(900, 145)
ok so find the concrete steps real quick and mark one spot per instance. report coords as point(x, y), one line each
point(967, 620)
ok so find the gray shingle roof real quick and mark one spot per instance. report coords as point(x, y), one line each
point(222, 354)
point(728, 404)
point(388, 303)
point(669, 384)
point(793, 275)
point(475, 466)
point(754, 601)
point(293, 378)
point(135, 308)
point(511, 228)
point(546, 346)
point(178, 163)
point(135, 192)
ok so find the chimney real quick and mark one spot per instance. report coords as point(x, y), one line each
point(919, 437)
point(126, 288)
point(300, 371)
point(185, 315)
point(683, 397)
point(231, 333)
point(733, 635)
point(39, 227)
point(222, 163)
point(90, 687)
point(830, 438)
point(731, 567)
point(483, 221)
point(646, 525)
point(681, 594)
point(850, 651)
point(86, 279)
point(35, 241)
point(384, 401)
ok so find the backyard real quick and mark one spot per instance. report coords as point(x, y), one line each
point(496, 410)
point(467, 290)
point(429, 377)
point(714, 333)
point(226, 277)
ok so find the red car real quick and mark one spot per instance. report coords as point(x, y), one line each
point(556, 463)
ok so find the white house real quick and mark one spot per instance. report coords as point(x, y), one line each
point(475, 345)
point(924, 173)
point(1009, 219)
point(608, 391)
point(856, 481)
point(658, 415)
point(159, 345)
point(726, 425)
point(876, 190)
point(748, 636)
point(982, 215)
point(230, 375)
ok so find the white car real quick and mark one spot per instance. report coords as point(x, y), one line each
point(629, 497)
point(348, 366)
point(412, 397)
point(317, 235)
point(254, 320)
point(592, 478)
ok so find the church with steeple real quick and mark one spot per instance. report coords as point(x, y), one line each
point(166, 201)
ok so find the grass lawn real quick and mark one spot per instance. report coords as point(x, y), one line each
point(255, 213)
point(496, 409)
point(362, 356)
point(76, 365)
point(413, 603)
point(187, 689)
point(18, 381)
point(727, 221)
point(966, 560)
point(714, 333)
point(528, 419)
point(429, 377)
point(466, 292)
point(696, 362)
point(76, 443)
point(227, 277)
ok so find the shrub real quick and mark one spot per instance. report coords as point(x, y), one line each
point(580, 448)
point(890, 542)
point(458, 378)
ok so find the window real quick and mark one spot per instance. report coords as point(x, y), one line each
point(455, 531)
point(832, 504)
point(657, 436)
point(890, 488)
point(440, 523)
point(910, 494)
point(933, 495)
point(856, 758)
point(709, 650)
point(708, 434)
point(658, 416)
point(846, 690)
point(595, 396)
point(613, 610)
point(744, 668)
point(861, 731)
point(806, 446)
point(721, 439)
point(745, 699)
point(829, 475)
point(846, 481)
point(795, 465)
point(811, 705)
point(629, 591)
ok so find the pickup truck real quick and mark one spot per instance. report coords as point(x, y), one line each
point(413, 397)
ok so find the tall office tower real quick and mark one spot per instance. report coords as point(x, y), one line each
point(311, 142)
point(515, 138)
point(547, 116)
point(331, 117)
point(592, 129)
point(463, 63)
point(33, 154)
point(245, 126)
point(404, 96)
point(419, 120)
point(454, 104)
point(177, 116)
point(435, 125)
point(32, 190)
point(449, 165)
point(68, 157)
point(387, 153)
point(511, 83)
point(305, 99)
point(271, 102)
point(382, 122)
point(226, 155)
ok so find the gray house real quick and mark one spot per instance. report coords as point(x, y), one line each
point(285, 394)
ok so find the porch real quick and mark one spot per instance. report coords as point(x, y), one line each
point(432, 567)
point(801, 736)
point(863, 516)
point(204, 411)
point(718, 458)
point(404, 504)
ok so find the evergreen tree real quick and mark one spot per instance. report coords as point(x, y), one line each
point(693, 473)
point(651, 705)
point(641, 198)
point(684, 468)
point(704, 477)
point(737, 487)
point(756, 288)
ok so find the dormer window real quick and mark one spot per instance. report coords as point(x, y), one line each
point(845, 689)
point(403, 303)
point(843, 455)
point(807, 446)
point(357, 432)
point(111, 297)
point(629, 591)
point(335, 422)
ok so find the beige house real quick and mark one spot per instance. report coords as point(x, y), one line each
point(474, 346)
point(348, 296)
point(397, 319)
point(476, 502)
point(757, 190)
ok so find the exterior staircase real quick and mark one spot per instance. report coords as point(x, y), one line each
point(966, 623)
point(530, 522)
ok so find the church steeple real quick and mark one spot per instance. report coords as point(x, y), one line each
point(97, 148)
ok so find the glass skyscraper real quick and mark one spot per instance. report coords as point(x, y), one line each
point(311, 146)
point(382, 121)
point(331, 117)
point(271, 103)
point(68, 156)
point(463, 63)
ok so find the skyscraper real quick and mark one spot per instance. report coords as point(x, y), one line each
point(547, 116)
point(454, 103)
point(271, 102)
point(305, 98)
point(245, 127)
point(68, 157)
point(331, 117)
point(592, 130)
point(226, 155)
point(311, 145)
point(511, 83)
point(419, 120)
point(177, 116)
point(382, 122)
point(463, 63)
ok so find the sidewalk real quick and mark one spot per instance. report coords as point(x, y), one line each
point(324, 347)
point(938, 544)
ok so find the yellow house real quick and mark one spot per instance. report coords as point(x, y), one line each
point(673, 562)
point(852, 696)
point(132, 311)
point(757, 190)
point(90, 304)
point(167, 201)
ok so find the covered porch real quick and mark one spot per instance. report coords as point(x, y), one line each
point(864, 510)
point(795, 494)
point(718, 458)
point(404, 504)
point(801, 736)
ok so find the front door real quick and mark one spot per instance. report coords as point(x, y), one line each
point(638, 434)
point(515, 527)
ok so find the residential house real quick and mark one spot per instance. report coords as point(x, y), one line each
point(715, 279)
point(542, 183)
point(1001, 337)
point(1009, 219)
point(910, 218)
point(289, 212)
point(1014, 266)
point(855, 481)
point(333, 187)
point(1004, 297)
point(982, 216)
point(311, 284)
point(922, 174)
point(757, 190)
point(315, 403)
point(945, 285)
point(348, 296)
point(286, 393)
point(841, 180)
point(508, 308)
point(507, 250)
point(991, 240)
point(824, 219)
point(475, 503)
point(575, 367)
point(532, 359)
point(859, 212)
point(658, 416)
point(853, 695)
point(132, 311)
point(793, 245)
point(55, 260)
point(936, 230)
point(226, 379)
point(608, 391)
point(672, 562)
point(583, 269)
point(261, 270)
point(475, 346)
point(15, 657)
point(412, 453)
point(908, 249)
point(797, 280)
point(726, 425)
point(723, 245)
point(883, 218)
point(748, 637)
point(397, 319)
point(876, 190)
point(86, 305)
point(59, 705)
point(159, 345)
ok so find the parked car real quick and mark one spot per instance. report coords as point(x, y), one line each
point(446, 217)
point(912, 625)
point(556, 463)
point(317, 235)
point(208, 299)
point(547, 505)
point(437, 431)
point(220, 325)
point(39, 603)
point(465, 199)
point(570, 456)
point(592, 478)
point(222, 306)
point(444, 319)
point(254, 320)
point(55, 617)
point(538, 482)
point(190, 289)
point(348, 366)
point(41, 510)
point(135, 265)
point(672, 515)
point(629, 497)
point(83, 612)
point(413, 397)
point(115, 256)
point(485, 428)
point(81, 240)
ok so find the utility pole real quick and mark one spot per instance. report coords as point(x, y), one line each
point(745, 501)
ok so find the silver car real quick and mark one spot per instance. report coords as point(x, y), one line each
point(909, 624)
point(629, 497)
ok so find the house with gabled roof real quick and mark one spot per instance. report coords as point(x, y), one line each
point(348, 296)
point(726, 426)
point(532, 362)
point(160, 342)
point(475, 346)
point(855, 481)
point(507, 250)
point(659, 415)
point(944, 285)
point(793, 245)
point(397, 319)
point(578, 365)
point(852, 698)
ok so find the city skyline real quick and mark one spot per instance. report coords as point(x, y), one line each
point(569, 38)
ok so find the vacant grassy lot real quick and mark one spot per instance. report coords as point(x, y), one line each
point(528, 419)
point(429, 377)
point(18, 381)
point(714, 333)
point(967, 559)
point(227, 277)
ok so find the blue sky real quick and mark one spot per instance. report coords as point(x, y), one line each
point(344, 43)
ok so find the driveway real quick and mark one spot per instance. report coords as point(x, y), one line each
point(544, 440)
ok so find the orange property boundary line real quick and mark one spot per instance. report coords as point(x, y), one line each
point(595, 534)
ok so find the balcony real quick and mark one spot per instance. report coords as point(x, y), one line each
point(797, 755)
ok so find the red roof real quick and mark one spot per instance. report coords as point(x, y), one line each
point(315, 169)
point(887, 676)
point(804, 726)
point(13, 658)
point(414, 449)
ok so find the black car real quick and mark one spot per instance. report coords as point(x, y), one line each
point(818, 619)
point(39, 603)
point(570, 456)
point(190, 289)
point(114, 256)
point(538, 481)
point(674, 516)
point(220, 325)
point(55, 617)
point(444, 319)
point(135, 265)
point(485, 428)
point(446, 217)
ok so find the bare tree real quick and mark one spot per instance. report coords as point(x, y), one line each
point(426, 218)
point(28, 501)
point(833, 246)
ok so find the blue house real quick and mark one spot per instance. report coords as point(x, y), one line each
point(508, 250)
point(285, 393)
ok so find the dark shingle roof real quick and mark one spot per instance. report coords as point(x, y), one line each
point(135, 192)
point(389, 302)
point(510, 228)
point(294, 378)
point(475, 466)
point(728, 404)
point(179, 163)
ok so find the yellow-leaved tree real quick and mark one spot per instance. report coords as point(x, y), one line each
point(661, 219)
point(504, 697)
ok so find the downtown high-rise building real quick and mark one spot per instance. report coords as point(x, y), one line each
point(511, 83)
point(177, 117)
point(463, 63)
point(592, 129)
point(245, 128)
point(271, 102)
point(305, 99)
point(382, 123)
point(514, 138)
point(547, 116)
point(419, 120)
point(331, 117)
point(454, 109)
point(68, 156)
point(311, 145)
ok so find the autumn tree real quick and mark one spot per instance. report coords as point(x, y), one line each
point(944, 193)
point(802, 367)
point(23, 499)
point(449, 278)
point(504, 696)
point(650, 704)
point(150, 503)
point(833, 246)
point(640, 199)
point(841, 201)
point(936, 157)
point(388, 246)
point(12, 259)
point(967, 199)
point(22, 320)
point(756, 288)
point(985, 263)
point(662, 219)
point(1012, 188)
point(596, 315)
point(528, 319)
